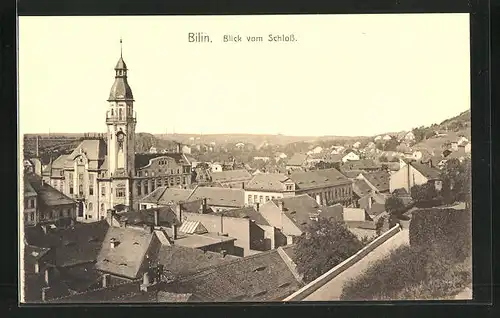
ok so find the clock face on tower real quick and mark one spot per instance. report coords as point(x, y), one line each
point(120, 136)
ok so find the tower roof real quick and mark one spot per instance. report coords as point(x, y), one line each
point(121, 64)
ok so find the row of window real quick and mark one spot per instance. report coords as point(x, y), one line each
point(146, 173)
point(54, 214)
point(259, 198)
point(155, 183)
point(29, 203)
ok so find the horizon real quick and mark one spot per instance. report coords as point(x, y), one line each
point(405, 69)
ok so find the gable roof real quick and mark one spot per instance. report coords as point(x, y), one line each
point(216, 196)
point(260, 277)
point(143, 159)
point(166, 216)
point(29, 191)
point(267, 181)
point(361, 188)
point(164, 196)
point(181, 261)
point(299, 209)
point(127, 257)
point(73, 245)
point(47, 195)
point(94, 149)
point(298, 159)
point(378, 179)
point(427, 171)
point(318, 178)
point(231, 175)
point(246, 212)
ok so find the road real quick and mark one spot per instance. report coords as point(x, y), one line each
point(333, 289)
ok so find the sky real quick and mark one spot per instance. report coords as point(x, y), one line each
point(356, 75)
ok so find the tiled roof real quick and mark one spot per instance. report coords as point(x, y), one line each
point(142, 159)
point(362, 164)
point(164, 195)
point(47, 195)
point(231, 175)
point(246, 212)
point(60, 162)
point(361, 188)
point(318, 178)
point(215, 196)
point(29, 191)
point(260, 277)
point(427, 171)
point(351, 174)
point(74, 245)
point(126, 258)
point(290, 251)
point(379, 179)
point(94, 149)
point(297, 159)
point(267, 181)
point(166, 216)
point(200, 241)
point(181, 261)
point(120, 90)
point(31, 255)
point(299, 209)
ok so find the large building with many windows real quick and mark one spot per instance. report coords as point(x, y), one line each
point(104, 172)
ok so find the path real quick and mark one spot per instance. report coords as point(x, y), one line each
point(333, 289)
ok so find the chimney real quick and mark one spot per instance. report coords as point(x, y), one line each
point(48, 276)
point(174, 230)
point(37, 146)
point(105, 280)
point(204, 205)
point(178, 212)
point(37, 267)
point(145, 282)
point(113, 242)
point(281, 205)
point(157, 217)
point(223, 253)
point(45, 290)
point(243, 185)
point(257, 206)
point(370, 201)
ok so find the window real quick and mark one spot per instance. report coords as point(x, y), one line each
point(261, 199)
point(120, 192)
point(273, 197)
point(146, 173)
point(32, 216)
point(80, 189)
point(80, 177)
point(255, 198)
point(91, 184)
point(143, 207)
point(61, 213)
point(103, 191)
point(90, 206)
point(32, 203)
point(267, 198)
point(112, 112)
point(146, 188)
point(139, 192)
point(178, 180)
point(102, 207)
point(120, 113)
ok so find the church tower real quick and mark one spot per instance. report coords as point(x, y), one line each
point(121, 121)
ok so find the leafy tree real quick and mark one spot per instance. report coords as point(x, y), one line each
point(456, 180)
point(325, 244)
point(395, 207)
point(420, 133)
point(425, 194)
point(380, 225)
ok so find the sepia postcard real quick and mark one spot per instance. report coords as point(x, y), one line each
point(284, 158)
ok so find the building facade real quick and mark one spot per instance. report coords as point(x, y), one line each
point(104, 171)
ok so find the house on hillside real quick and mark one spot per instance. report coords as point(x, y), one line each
point(297, 162)
point(386, 138)
point(377, 138)
point(292, 214)
point(216, 167)
point(356, 145)
point(350, 156)
point(415, 174)
point(378, 181)
point(337, 150)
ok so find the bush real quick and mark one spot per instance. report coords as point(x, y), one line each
point(447, 230)
point(409, 273)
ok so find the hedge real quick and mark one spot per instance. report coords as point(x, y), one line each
point(448, 230)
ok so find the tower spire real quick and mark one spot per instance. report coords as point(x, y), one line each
point(121, 47)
